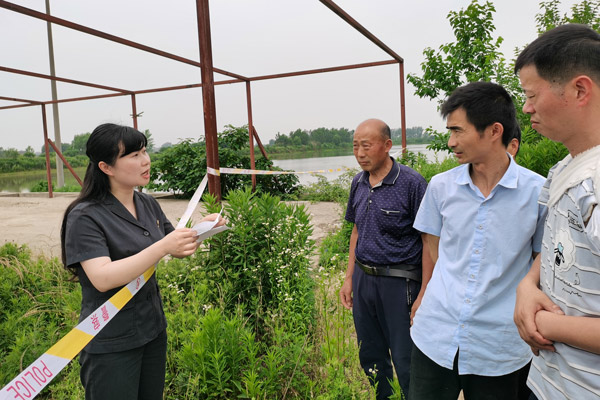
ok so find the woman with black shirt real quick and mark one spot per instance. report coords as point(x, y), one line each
point(110, 235)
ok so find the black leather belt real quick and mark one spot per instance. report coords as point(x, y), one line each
point(407, 271)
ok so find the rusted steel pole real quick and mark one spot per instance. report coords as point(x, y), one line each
point(402, 108)
point(259, 143)
point(134, 111)
point(208, 96)
point(58, 153)
point(47, 149)
point(250, 133)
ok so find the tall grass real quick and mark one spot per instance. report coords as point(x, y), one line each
point(248, 316)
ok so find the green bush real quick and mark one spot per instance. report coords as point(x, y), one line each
point(42, 186)
point(242, 317)
point(263, 259)
point(27, 163)
point(181, 167)
point(39, 306)
point(336, 190)
point(538, 153)
point(427, 169)
point(241, 310)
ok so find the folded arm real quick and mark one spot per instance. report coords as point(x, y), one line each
point(530, 300)
point(581, 332)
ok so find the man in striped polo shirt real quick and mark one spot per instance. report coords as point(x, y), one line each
point(558, 302)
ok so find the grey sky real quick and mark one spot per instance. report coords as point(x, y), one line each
point(251, 38)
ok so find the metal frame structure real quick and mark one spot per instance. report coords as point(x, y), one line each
point(207, 83)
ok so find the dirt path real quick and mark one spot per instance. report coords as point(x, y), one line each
point(35, 219)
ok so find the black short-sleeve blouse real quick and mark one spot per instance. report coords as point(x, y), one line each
point(107, 229)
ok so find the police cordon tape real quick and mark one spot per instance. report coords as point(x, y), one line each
point(29, 383)
point(240, 171)
point(38, 374)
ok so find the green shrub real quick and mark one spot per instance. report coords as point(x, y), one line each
point(262, 262)
point(39, 306)
point(181, 167)
point(28, 163)
point(427, 169)
point(539, 154)
point(336, 190)
point(241, 310)
point(42, 186)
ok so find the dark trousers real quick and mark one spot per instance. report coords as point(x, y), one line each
point(132, 374)
point(382, 322)
point(430, 381)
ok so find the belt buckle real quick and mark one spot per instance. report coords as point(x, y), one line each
point(373, 270)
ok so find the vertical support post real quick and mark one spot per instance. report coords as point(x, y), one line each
point(402, 108)
point(134, 111)
point(250, 132)
point(47, 149)
point(60, 172)
point(208, 96)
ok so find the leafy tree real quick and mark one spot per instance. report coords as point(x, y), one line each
point(299, 137)
point(415, 134)
point(586, 12)
point(29, 152)
point(150, 141)
point(77, 146)
point(282, 140)
point(475, 55)
point(10, 153)
point(182, 166)
point(165, 146)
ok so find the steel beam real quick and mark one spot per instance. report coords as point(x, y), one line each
point(356, 25)
point(56, 78)
point(322, 70)
point(59, 154)
point(94, 32)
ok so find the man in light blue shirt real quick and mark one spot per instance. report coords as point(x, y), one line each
point(483, 226)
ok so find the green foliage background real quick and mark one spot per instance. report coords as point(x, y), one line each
point(181, 167)
point(475, 55)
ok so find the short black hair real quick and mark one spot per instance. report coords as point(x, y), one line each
point(563, 53)
point(484, 103)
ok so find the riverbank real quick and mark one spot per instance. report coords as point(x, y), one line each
point(34, 219)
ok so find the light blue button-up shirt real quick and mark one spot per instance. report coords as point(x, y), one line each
point(485, 249)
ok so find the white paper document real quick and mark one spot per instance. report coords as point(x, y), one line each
point(207, 229)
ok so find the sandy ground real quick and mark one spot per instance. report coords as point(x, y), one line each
point(34, 219)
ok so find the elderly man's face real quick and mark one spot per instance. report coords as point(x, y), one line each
point(370, 147)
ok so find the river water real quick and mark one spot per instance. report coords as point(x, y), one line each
point(22, 182)
point(348, 161)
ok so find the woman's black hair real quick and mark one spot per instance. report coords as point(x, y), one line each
point(107, 143)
